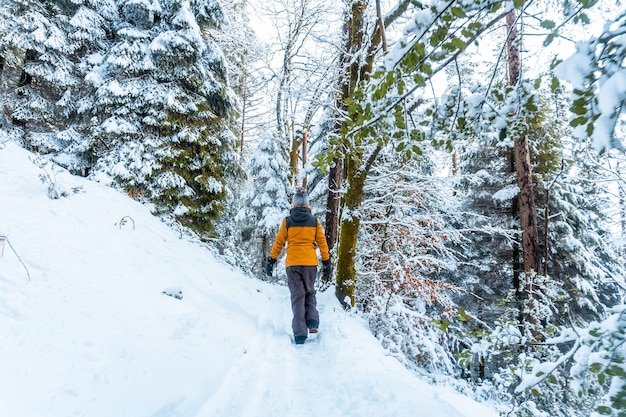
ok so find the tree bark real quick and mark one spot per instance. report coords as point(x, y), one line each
point(305, 145)
point(353, 30)
point(356, 166)
point(346, 271)
point(527, 208)
point(622, 204)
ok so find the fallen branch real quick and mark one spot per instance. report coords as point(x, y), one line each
point(124, 220)
point(6, 239)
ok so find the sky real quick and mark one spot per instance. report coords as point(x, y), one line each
point(88, 329)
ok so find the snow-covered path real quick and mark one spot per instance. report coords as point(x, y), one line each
point(333, 375)
point(91, 334)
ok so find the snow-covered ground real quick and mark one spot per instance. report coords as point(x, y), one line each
point(90, 332)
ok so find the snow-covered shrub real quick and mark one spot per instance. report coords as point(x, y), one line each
point(56, 189)
point(404, 245)
point(535, 356)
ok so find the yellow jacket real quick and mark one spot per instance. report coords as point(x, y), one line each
point(302, 233)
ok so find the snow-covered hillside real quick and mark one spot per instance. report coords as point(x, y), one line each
point(86, 330)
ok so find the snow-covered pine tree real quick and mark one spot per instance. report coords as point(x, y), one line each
point(582, 278)
point(264, 203)
point(42, 44)
point(582, 254)
point(161, 108)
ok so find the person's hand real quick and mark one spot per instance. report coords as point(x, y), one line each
point(269, 266)
point(326, 271)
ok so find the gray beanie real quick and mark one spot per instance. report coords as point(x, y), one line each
point(300, 198)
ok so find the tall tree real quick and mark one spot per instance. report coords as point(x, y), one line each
point(43, 45)
point(299, 76)
point(378, 112)
point(531, 251)
point(362, 43)
point(161, 109)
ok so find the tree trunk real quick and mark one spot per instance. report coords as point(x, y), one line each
point(244, 103)
point(622, 205)
point(333, 202)
point(359, 64)
point(354, 41)
point(305, 145)
point(346, 271)
point(527, 207)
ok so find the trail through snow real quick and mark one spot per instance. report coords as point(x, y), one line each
point(91, 334)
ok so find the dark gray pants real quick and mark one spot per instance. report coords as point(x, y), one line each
point(301, 281)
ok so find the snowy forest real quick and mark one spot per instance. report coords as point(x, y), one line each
point(465, 157)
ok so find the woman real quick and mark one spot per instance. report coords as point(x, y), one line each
point(303, 234)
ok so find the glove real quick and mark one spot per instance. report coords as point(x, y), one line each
point(269, 266)
point(326, 271)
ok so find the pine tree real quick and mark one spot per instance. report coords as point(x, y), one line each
point(581, 252)
point(266, 201)
point(161, 109)
point(42, 46)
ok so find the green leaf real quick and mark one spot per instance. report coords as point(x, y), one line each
point(458, 43)
point(442, 32)
point(556, 83)
point(537, 83)
point(555, 62)
point(401, 85)
point(549, 39)
point(531, 107)
point(578, 109)
point(389, 79)
point(411, 59)
point(583, 18)
point(378, 74)
point(616, 370)
point(588, 3)
point(442, 324)
point(419, 79)
point(458, 12)
point(518, 3)
point(495, 7)
point(579, 121)
point(434, 39)
point(548, 24)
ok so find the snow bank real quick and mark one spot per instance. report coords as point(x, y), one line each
point(92, 333)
